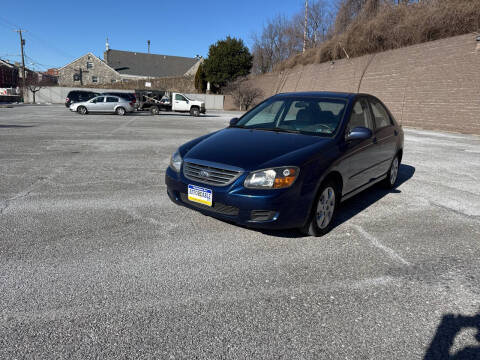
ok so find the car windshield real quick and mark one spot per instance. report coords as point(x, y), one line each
point(315, 116)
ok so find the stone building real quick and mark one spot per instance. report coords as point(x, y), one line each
point(87, 70)
point(125, 65)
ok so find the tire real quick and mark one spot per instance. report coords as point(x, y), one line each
point(324, 210)
point(195, 111)
point(154, 110)
point(120, 111)
point(392, 174)
point(82, 110)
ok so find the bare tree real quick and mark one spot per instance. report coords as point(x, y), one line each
point(282, 38)
point(36, 81)
point(319, 23)
point(277, 42)
point(243, 93)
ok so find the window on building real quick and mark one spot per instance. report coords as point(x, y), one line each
point(76, 77)
point(94, 79)
point(89, 65)
point(113, 80)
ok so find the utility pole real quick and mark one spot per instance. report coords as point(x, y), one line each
point(305, 27)
point(148, 42)
point(22, 44)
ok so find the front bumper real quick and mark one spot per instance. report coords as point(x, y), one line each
point(264, 209)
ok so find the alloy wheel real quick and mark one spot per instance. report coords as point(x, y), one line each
point(325, 207)
point(394, 171)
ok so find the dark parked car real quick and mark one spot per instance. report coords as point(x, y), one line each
point(75, 96)
point(125, 95)
point(289, 162)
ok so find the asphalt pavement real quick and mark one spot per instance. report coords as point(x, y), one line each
point(96, 262)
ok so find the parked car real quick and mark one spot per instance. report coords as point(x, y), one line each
point(104, 104)
point(289, 162)
point(75, 96)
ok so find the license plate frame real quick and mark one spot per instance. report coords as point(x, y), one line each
point(200, 195)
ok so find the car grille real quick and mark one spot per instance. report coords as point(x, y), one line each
point(210, 175)
point(217, 207)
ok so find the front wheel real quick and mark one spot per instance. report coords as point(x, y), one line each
point(121, 111)
point(323, 212)
point(82, 110)
point(195, 111)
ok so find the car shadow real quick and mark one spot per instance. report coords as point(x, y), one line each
point(173, 114)
point(9, 126)
point(444, 338)
point(356, 204)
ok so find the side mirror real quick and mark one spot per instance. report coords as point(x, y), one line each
point(234, 121)
point(359, 133)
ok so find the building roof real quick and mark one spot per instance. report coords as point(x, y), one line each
point(6, 63)
point(152, 65)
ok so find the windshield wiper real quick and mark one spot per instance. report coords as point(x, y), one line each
point(278, 130)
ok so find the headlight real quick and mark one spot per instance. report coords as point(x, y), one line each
point(276, 178)
point(176, 161)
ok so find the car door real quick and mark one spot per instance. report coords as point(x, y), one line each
point(386, 135)
point(96, 104)
point(110, 103)
point(181, 103)
point(360, 155)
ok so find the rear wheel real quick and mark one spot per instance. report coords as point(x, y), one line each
point(195, 111)
point(82, 110)
point(392, 174)
point(120, 111)
point(323, 212)
point(154, 110)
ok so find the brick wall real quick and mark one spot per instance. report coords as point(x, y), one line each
point(435, 85)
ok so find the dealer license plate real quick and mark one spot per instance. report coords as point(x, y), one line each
point(200, 195)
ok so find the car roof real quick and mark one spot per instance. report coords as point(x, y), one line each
point(329, 94)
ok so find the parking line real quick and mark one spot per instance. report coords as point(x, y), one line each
point(390, 252)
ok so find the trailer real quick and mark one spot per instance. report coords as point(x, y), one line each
point(157, 100)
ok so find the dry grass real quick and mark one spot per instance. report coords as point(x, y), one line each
point(395, 27)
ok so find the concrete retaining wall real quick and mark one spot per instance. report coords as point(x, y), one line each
point(435, 85)
point(57, 95)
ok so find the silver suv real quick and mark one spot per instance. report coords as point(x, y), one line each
point(104, 104)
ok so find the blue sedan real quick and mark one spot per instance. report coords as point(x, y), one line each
point(288, 162)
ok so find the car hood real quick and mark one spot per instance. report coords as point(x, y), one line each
point(255, 149)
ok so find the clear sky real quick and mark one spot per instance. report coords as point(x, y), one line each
point(60, 31)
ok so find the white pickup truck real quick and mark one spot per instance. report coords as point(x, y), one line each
point(156, 101)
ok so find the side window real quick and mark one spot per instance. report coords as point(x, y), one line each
point(99, 99)
point(381, 117)
point(360, 116)
point(179, 97)
point(111, 99)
